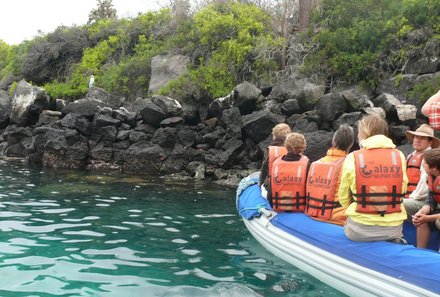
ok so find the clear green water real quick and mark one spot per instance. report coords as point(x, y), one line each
point(70, 233)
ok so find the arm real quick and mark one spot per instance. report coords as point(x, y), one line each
point(264, 172)
point(405, 177)
point(434, 98)
point(347, 178)
point(422, 218)
point(423, 215)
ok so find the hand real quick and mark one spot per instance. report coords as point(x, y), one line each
point(419, 219)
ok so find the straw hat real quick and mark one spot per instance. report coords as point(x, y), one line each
point(426, 131)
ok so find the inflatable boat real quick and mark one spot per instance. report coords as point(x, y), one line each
point(322, 250)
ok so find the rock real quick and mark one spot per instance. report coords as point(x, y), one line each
point(397, 133)
point(100, 95)
point(379, 111)
point(144, 158)
point(426, 59)
point(124, 134)
point(258, 125)
point(311, 95)
point(406, 112)
point(318, 143)
point(78, 122)
point(172, 122)
point(105, 120)
point(136, 136)
point(301, 123)
point(27, 103)
point(351, 119)
point(175, 161)
point(125, 116)
point(101, 152)
point(196, 169)
point(85, 107)
point(388, 102)
point(356, 103)
point(170, 106)
point(216, 107)
point(152, 114)
point(5, 109)
point(186, 137)
point(398, 86)
point(331, 106)
point(165, 68)
point(290, 106)
point(232, 119)
point(286, 89)
point(245, 97)
point(165, 137)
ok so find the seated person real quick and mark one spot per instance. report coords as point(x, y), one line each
point(276, 149)
point(431, 100)
point(324, 178)
point(428, 217)
point(287, 185)
point(373, 183)
point(422, 139)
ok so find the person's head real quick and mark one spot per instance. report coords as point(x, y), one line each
point(423, 138)
point(280, 131)
point(343, 138)
point(372, 125)
point(295, 143)
point(432, 161)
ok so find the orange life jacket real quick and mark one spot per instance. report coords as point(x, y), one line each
point(434, 187)
point(274, 153)
point(321, 189)
point(288, 185)
point(379, 179)
point(414, 163)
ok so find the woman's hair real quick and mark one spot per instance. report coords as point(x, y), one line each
point(343, 138)
point(280, 131)
point(432, 158)
point(295, 143)
point(372, 125)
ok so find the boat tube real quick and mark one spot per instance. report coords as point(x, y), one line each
point(322, 250)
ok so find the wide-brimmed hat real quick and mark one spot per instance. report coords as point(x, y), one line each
point(426, 131)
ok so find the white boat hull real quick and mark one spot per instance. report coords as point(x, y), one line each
point(344, 275)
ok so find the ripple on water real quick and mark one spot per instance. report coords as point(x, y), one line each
point(9, 214)
point(84, 233)
point(55, 211)
point(179, 240)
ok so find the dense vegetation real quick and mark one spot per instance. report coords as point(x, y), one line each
point(348, 41)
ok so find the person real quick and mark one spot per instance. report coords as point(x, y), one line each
point(422, 140)
point(428, 217)
point(275, 150)
point(373, 183)
point(324, 178)
point(431, 100)
point(287, 185)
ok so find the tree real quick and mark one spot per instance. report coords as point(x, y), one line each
point(305, 9)
point(103, 10)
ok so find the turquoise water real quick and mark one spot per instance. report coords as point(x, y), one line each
point(71, 233)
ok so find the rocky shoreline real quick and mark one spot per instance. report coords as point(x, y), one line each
point(221, 141)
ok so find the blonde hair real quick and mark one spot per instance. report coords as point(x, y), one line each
point(280, 131)
point(372, 125)
point(295, 143)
